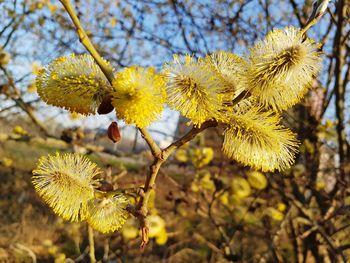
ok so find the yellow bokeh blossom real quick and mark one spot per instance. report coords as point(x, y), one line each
point(7, 162)
point(275, 214)
point(224, 198)
point(200, 157)
point(162, 237)
point(19, 130)
point(73, 82)
point(139, 95)
point(181, 155)
point(130, 229)
point(257, 180)
point(256, 138)
point(203, 182)
point(206, 182)
point(280, 69)
point(240, 187)
point(281, 207)
point(194, 90)
point(65, 182)
point(107, 215)
point(156, 225)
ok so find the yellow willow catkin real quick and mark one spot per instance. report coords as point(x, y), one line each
point(65, 182)
point(75, 83)
point(227, 67)
point(107, 215)
point(139, 95)
point(194, 90)
point(280, 69)
point(256, 139)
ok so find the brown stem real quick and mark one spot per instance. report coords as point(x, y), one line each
point(160, 156)
point(91, 245)
point(85, 40)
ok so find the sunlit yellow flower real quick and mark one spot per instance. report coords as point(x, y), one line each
point(203, 182)
point(240, 187)
point(257, 180)
point(181, 155)
point(195, 186)
point(139, 95)
point(224, 198)
point(281, 207)
point(7, 162)
point(107, 214)
point(65, 182)
point(206, 182)
point(281, 68)
point(201, 156)
point(227, 68)
point(19, 130)
point(257, 139)
point(73, 82)
point(194, 90)
point(130, 229)
point(162, 237)
point(275, 214)
point(60, 258)
point(156, 224)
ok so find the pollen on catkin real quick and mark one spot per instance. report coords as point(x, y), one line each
point(227, 67)
point(75, 83)
point(256, 139)
point(139, 95)
point(107, 215)
point(280, 69)
point(193, 90)
point(65, 182)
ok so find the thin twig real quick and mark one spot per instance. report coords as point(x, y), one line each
point(91, 244)
point(85, 40)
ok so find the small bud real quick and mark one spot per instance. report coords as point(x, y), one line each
point(113, 132)
point(319, 8)
point(105, 106)
point(144, 236)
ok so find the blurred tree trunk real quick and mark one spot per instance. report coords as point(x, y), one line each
point(339, 86)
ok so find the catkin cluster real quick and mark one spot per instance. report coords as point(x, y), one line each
point(245, 95)
point(273, 76)
point(67, 183)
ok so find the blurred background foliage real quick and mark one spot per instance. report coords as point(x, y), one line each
point(206, 207)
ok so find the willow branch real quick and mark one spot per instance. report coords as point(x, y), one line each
point(85, 40)
point(156, 151)
point(91, 244)
point(141, 211)
point(187, 137)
